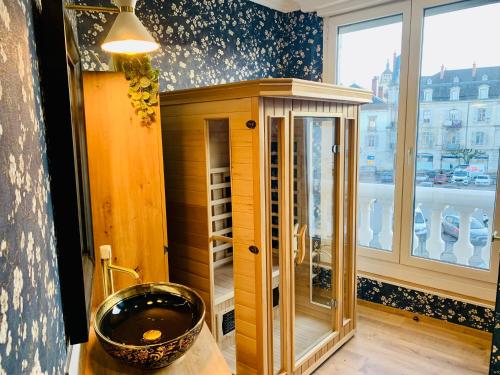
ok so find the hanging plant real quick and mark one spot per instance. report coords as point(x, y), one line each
point(143, 84)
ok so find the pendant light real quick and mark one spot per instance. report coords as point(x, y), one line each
point(128, 35)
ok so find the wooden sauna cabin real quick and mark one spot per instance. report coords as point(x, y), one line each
point(261, 207)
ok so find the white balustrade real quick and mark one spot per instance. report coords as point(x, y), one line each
point(375, 224)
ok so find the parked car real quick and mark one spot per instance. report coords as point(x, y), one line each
point(367, 172)
point(419, 223)
point(482, 180)
point(450, 229)
point(421, 177)
point(386, 177)
point(440, 179)
point(431, 174)
point(426, 184)
point(460, 177)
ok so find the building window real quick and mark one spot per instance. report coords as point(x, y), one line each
point(426, 116)
point(428, 95)
point(455, 93)
point(478, 139)
point(371, 141)
point(426, 139)
point(483, 92)
point(372, 123)
point(484, 77)
point(481, 115)
point(454, 115)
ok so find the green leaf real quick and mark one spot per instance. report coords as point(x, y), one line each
point(145, 82)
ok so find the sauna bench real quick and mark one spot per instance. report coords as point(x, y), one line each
point(204, 358)
point(223, 282)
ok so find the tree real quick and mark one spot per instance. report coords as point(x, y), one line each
point(467, 154)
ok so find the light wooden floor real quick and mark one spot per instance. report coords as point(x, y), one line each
point(389, 344)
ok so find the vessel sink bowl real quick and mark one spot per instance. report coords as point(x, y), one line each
point(150, 325)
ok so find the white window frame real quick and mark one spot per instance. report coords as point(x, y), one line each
point(479, 135)
point(483, 92)
point(399, 264)
point(455, 93)
point(426, 116)
point(428, 95)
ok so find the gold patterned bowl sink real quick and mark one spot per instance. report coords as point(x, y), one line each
point(150, 325)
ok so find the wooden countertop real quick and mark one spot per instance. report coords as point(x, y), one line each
point(204, 358)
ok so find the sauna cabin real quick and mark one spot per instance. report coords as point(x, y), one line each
point(261, 205)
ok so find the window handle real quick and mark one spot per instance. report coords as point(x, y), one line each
point(495, 236)
point(410, 156)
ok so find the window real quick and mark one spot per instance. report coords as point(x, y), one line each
point(478, 138)
point(426, 116)
point(371, 141)
point(481, 115)
point(428, 95)
point(483, 92)
point(426, 139)
point(383, 38)
point(454, 115)
point(425, 220)
point(372, 123)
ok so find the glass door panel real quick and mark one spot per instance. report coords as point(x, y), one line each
point(349, 219)
point(456, 164)
point(276, 236)
point(313, 228)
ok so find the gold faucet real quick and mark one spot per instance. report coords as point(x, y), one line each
point(108, 268)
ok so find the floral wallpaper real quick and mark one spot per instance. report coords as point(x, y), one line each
point(495, 347)
point(206, 42)
point(32, 339)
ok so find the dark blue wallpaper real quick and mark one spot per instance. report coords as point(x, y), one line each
point(495, 347)
point(216, 41)
point(32, 339)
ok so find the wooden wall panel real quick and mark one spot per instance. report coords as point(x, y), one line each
point(187, 199)
point(126, 181)
point(245, 180)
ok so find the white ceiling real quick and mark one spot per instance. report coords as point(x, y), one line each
point(323, 7)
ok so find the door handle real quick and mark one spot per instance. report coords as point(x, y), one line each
point(301, 243)
point(495, 236)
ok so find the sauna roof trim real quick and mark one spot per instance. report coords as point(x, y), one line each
point(269, 87)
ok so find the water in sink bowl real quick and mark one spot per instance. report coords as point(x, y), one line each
point(149, 319)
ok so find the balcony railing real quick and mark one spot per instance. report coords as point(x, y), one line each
point(376, 212)
point(452, 124)
point(451, 146)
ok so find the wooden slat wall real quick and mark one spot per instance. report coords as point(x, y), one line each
point(248, 267)
point(126, 182)
point(184, 140)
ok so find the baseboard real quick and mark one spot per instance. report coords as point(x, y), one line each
point(426, 319)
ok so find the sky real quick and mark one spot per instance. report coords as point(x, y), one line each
point(455, 39)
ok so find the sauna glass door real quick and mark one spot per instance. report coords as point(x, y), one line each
point(313, 226)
